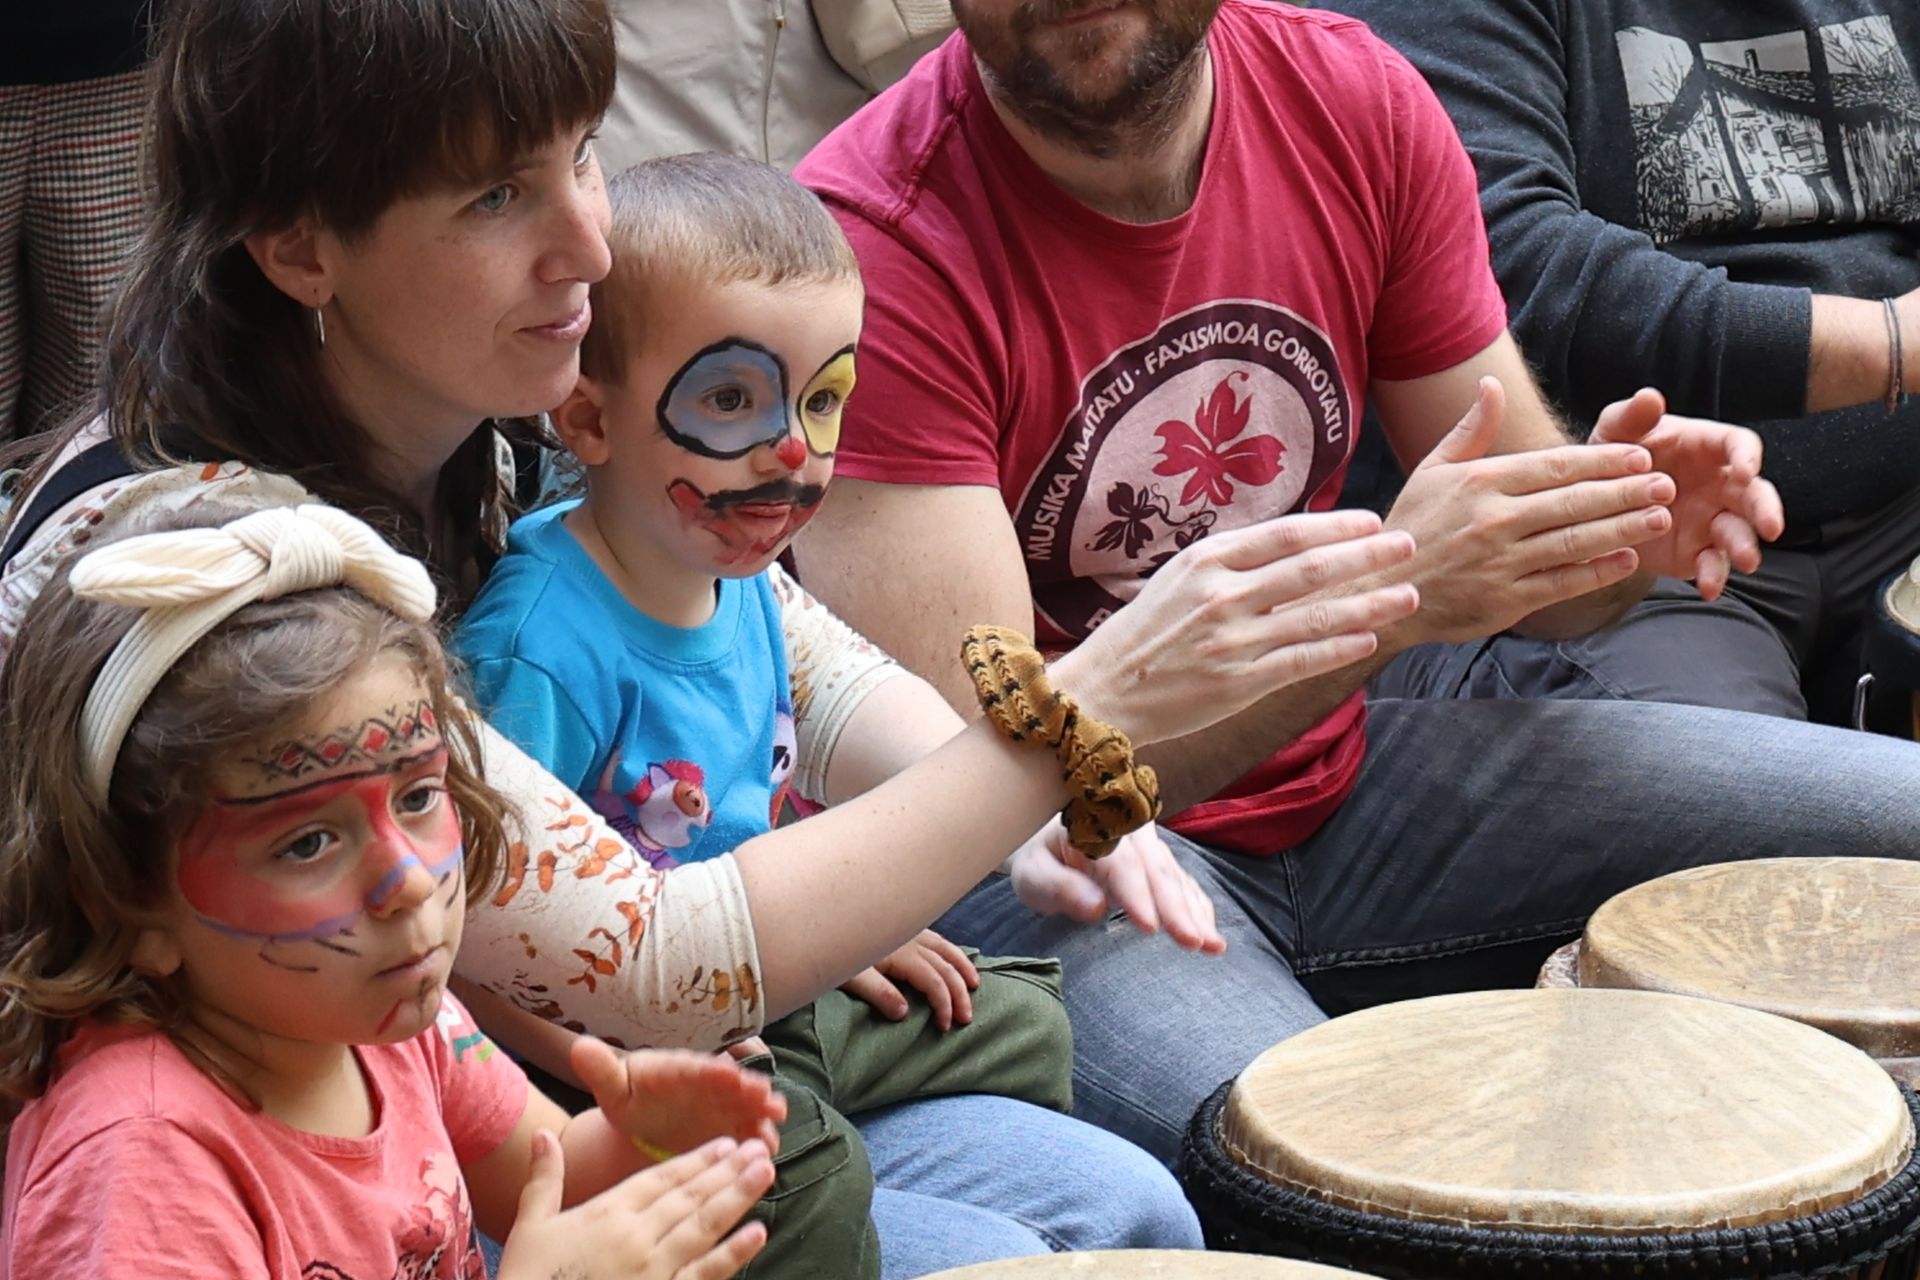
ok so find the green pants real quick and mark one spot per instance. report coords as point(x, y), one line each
point(819, 1214)
point(837, 1057)
point(1019, 1044)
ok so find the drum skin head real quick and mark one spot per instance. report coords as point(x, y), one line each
point(1831, 942)
point(1902, 598)
point(1146, 1264)
point(1570, 1111)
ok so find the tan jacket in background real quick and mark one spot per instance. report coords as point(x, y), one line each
point(757, 78)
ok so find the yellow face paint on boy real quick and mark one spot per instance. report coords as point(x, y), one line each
point(824, 400)
point(728, 399)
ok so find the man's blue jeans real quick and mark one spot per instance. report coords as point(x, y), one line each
point(974, 1178)
point(1481, 834)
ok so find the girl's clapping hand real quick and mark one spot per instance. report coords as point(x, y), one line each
point(668, 1222)
point(673, 1100)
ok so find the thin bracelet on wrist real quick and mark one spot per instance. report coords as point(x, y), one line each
point(659, 1155)
point(1897, 358)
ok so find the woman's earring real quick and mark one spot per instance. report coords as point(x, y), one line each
point(320, 325)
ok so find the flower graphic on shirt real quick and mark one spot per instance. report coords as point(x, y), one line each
point(1137, 511)
point(1210, 452)
point(439, 1240)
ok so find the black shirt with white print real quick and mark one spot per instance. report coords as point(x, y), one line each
point(1667, 183)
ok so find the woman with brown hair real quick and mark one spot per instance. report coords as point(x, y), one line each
point(366, 266)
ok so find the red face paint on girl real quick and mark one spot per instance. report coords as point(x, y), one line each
point(309, 861)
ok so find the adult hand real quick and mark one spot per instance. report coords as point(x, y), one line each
point(675, 1099)
point(929, 964)
point(668, 1222)
point(1140, 877)
point(1235, 616)
point(1722, 509)
point(1505, 536)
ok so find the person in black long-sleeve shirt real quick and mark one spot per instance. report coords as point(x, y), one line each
point(71, 99)
point(1712, 198)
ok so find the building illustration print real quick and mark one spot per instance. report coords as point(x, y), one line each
point(1805, 126)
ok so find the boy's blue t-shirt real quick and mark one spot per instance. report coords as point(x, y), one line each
point(682, 738)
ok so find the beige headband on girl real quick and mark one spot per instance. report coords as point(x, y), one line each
point(189, 581)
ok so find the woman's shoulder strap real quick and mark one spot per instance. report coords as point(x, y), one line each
point(90, 468)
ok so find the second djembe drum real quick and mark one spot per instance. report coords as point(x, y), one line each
point(1831, 942)
point(1558, 1134)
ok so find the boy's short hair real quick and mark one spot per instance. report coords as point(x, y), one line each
point(712, 217)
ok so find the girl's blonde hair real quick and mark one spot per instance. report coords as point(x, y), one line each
point(78, 882)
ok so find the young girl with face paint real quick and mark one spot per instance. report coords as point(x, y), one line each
point(244, 829)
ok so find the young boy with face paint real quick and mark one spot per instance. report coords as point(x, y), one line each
point(630, 642)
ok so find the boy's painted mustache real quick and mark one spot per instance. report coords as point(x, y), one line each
point(788, 492)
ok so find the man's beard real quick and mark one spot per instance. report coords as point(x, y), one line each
point(1140, 108)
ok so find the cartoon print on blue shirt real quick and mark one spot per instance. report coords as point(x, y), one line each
point(666, 809)
point(786, 746)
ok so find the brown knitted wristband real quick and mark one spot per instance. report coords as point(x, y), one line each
point(1112, 795)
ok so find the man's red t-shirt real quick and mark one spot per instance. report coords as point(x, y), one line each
point(1130, 388)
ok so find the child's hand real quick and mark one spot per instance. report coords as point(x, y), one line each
point(930, 965)
point(673, 1099)
point(1140, 876)
point(751, 1047)
point(663, 1223)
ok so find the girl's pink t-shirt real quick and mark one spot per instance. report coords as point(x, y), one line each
point(135, 1163)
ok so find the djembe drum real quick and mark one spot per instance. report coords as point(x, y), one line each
point(1831, 942)
point(1555, 1134)
point(1145, 1264)
point(1887, 697)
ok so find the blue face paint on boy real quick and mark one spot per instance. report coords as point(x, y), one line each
point(733, 396)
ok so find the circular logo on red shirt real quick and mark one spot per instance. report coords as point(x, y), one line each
point(1227, 415)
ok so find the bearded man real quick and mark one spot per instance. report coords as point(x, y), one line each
point(1133, 269)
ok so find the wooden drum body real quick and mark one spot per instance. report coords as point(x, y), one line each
point(1555, 1134)
point(1831, 942)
